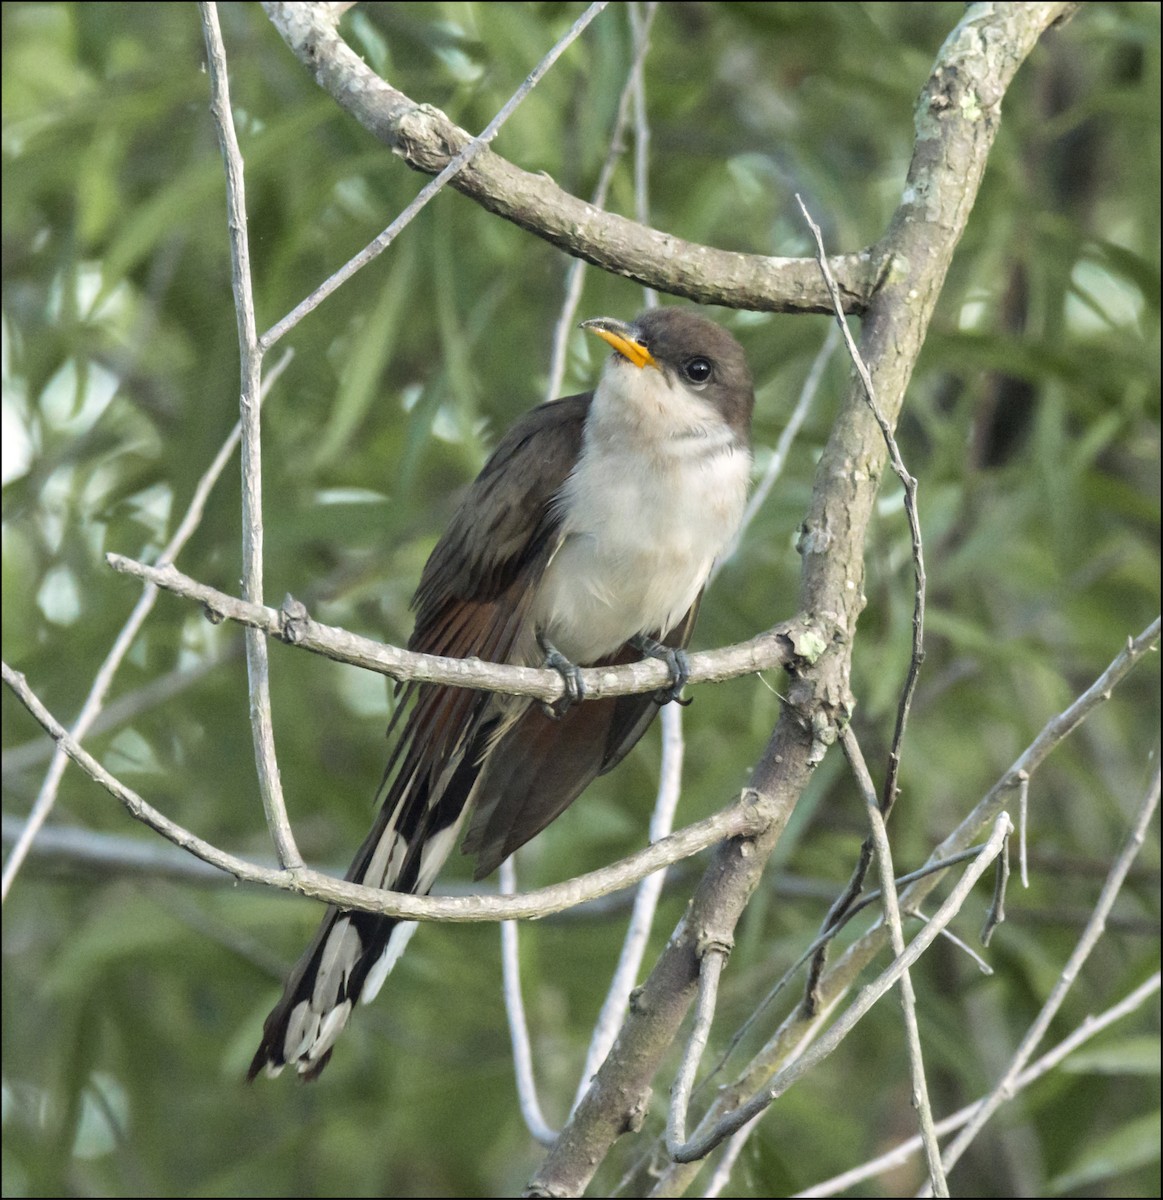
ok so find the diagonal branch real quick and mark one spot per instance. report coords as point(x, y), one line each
point(797, 1068)
point(1004, 1088)
point(957, 119)
point(901, 1154)
point(790, 1037)
point(456, 164)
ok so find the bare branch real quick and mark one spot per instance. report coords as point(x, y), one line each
point(1003, 1089)
point(892, 917)
point(645, 903)
point(711, 966)
point(909, 483)
point(456, 164)
point(997, 908)
point(701, 1146)
point(790, 642)
point(789, 1038)
point(747, 818)
point(539, 1128)
point(901, 1154)
point(575, 275)
point(427, 141)
point(250, 354)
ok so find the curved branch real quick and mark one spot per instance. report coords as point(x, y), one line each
point(427, 140)
point(740, 821)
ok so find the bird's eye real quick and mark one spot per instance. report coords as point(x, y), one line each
point(697, 370)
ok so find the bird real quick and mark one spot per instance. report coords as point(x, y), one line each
point(587, 539)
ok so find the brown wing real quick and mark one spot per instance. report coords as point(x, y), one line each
point(541, 765)
point(474, 594)
point(477, 558)
point(473, 601)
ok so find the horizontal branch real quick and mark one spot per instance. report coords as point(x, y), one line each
point(427, 141)
point(798, 641)
point(745, 818)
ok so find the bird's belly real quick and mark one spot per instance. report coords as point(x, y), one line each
point(638, 546)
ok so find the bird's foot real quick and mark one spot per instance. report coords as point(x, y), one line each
point(570, 676)
point(676, 661)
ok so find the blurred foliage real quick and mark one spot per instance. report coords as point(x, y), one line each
point(131, 1008)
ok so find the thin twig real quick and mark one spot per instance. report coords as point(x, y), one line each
point(839, 912)
point(954, 848)
point(1052, 734)
point(575, 275)
point(900, 1155)
point(997, 909)
point(828, 934)
point(856, 882)
point(910, 485)
point(640, 22)
point(892, 918)
point(918, 914)
point(376, 247)
point(1003, 1089)
point(645, 904)
point(746, 818)
point(1023, 814)
point(701, 1146)
point(539, 1128)
point(251, 355)
point(711, 963)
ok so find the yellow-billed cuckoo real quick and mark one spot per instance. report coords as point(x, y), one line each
point(586, 539)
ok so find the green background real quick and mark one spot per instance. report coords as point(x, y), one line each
point(132, 1004)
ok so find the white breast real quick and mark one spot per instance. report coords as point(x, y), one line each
point(657, 494)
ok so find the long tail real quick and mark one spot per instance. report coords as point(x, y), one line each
point(425, 795)
point(459, 750)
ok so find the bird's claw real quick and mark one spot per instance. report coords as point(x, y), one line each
point(571, 679)
point(677, 664)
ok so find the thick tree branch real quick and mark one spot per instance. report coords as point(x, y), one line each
point(957, 119)
point(427, 140)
